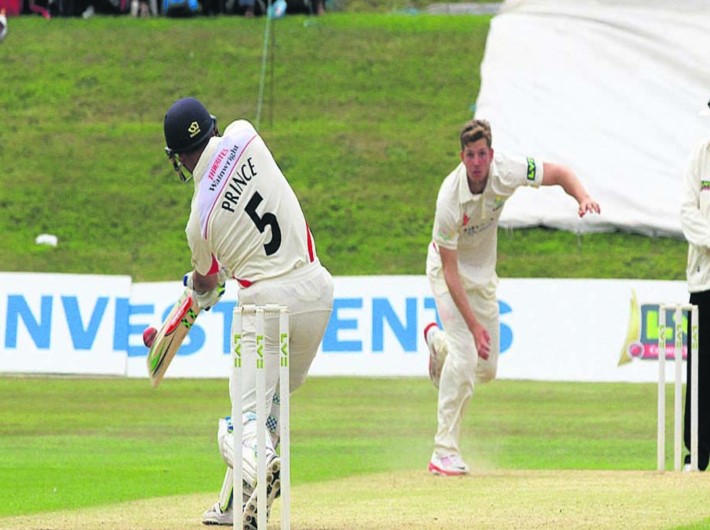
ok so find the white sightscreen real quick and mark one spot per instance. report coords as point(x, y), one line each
point(614, 90)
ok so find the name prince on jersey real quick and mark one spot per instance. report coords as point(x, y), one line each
point(227, 163)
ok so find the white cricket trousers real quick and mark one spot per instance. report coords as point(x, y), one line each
point(463, 367)
point(308, 294)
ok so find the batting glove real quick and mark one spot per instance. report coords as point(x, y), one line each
point(209, 299)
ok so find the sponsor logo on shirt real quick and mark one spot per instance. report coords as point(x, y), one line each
point(230, 155)
point(443, 236)
point(480, 227)
point(531, 169)
point(704, 185)
point(496, 204)
point(227, 170)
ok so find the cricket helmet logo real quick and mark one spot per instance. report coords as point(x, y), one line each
point(193, 129)
point(187, 124)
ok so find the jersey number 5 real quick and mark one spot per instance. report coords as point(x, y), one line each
point(268, 219)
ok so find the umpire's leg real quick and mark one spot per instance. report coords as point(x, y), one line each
point(702, 300)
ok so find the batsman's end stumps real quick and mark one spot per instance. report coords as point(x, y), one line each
point(149, 336)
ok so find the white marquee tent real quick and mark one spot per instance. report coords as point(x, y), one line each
point(614, 89)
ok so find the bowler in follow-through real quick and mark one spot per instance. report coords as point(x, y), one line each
point(461, 267)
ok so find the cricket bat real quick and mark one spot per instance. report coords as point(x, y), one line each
point(167, 341)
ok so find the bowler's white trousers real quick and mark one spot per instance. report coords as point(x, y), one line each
point(463, 367)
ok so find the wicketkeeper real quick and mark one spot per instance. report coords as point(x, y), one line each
point(246, 223)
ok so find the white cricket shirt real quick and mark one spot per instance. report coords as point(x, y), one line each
point(244, 212)
point(468, 222)
point(695, 218)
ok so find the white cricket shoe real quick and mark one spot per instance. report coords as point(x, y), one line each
point(273, 490)
point(215, 516)
point(448, 465)
point(436, 358)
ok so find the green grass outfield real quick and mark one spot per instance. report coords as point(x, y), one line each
point(116, 453)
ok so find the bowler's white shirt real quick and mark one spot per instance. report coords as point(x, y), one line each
point(468, 222)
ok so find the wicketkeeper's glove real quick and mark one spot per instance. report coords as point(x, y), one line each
point(209, 299)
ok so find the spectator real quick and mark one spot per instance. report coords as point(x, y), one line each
point(40, 10)
point(251, 8)
point(140, 8)
point(3, 25)
point(108, 7)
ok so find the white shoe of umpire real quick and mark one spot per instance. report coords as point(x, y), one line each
point(273, 490)
point(448, 465)
point(436, 358)
point(215, 516)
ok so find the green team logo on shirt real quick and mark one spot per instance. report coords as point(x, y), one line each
point(531, 168)
point(705, 184)
point(445, 237)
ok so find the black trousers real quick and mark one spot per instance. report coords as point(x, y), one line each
point(702, 300)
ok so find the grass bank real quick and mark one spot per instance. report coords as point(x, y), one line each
point(361, 109)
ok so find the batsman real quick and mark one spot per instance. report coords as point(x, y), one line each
point(247, 224)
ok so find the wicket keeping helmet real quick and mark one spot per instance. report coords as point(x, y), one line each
point(187, 124)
